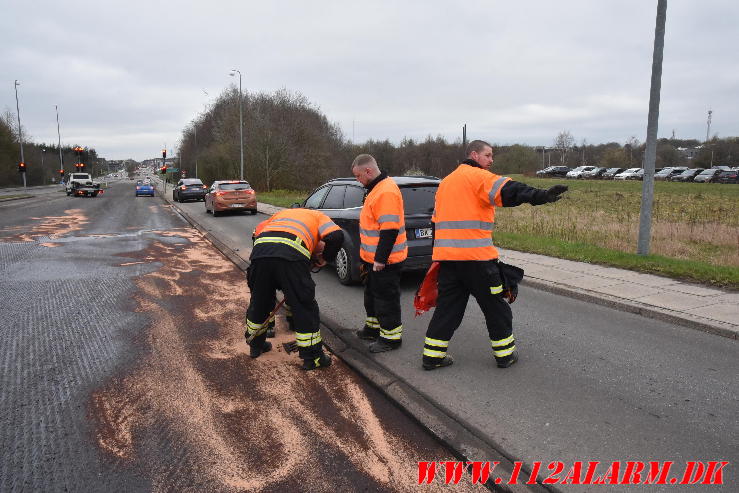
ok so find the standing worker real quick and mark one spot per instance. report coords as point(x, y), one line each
point(464, 219)
point(383, 249)
point(285, 247)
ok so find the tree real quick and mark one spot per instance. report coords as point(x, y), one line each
point(631, 147)
point(563, 142)
point(516, 159)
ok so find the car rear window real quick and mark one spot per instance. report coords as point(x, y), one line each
point(234, 186)
point(192, 181)
point(419, 200)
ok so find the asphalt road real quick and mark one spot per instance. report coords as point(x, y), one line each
point(593, 383)
point(124, 368)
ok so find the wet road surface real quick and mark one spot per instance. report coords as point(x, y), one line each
point(124, 368)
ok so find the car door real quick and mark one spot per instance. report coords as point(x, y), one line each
point(315, 199)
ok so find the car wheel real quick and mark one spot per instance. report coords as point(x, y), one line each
point(215, 212)
point(346, 267)
point(254, 212)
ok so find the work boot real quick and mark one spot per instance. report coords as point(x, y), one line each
point(271, 329)
point(322, 361)
point(368, 334)
point(440, 363)
point(256, 351)
point(507, 361)
point(381, 345)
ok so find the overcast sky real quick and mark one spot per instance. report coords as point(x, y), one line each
point(129, 75)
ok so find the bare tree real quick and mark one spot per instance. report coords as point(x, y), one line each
point(563, 143)
point(632, 143)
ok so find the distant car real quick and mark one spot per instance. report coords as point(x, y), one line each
point(666, 173)
point(611, 172)
point(143, 188)
point(707, 176)
point(630, 174)
point(578, 172)
point(230, 195)
point(594, 174)
point(341, 199)
point(727, 176)
point(721, 168)
point(189, 189)
point(553, 171)
point(687, 175)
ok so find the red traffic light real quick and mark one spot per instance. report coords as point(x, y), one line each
point(21, 167)
point(61, 172)
point(164, 153)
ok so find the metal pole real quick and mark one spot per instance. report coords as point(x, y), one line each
point(195, 129)
point(241, 128)
point(650, 154)
point(20, 131)
point(59, 136)
point(43, 153)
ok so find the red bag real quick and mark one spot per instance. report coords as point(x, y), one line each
point(428, 290)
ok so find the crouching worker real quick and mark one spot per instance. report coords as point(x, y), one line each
point(285, 248)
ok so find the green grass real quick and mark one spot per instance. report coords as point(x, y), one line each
point(690, 270)
point(16, 196)
point(282, 198)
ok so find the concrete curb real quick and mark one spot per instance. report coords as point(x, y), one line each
point(443, 425)
point(8, 199)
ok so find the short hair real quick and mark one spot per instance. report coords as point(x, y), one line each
point(363, 159)
point(476, 146)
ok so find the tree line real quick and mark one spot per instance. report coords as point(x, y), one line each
point(42, 160)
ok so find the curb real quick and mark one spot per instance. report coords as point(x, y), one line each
point(443, 425)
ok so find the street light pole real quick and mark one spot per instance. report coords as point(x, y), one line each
point(20, 131)
point(43, 153)
point(241, 123)
point(59, 136)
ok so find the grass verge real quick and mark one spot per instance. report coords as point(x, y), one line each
point(14, 197)
point(689, 270)
point(282, 198)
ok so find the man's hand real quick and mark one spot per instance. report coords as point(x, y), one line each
point(554, 193)
point(377, 266)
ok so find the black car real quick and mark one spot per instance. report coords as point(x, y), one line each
point(611, 172)
point(553, 171)
point(341, 199)
point(595, 174)
point(189, 189)
point(728, 177)
point(687, 175)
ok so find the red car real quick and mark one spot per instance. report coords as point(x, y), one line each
point(230, 195)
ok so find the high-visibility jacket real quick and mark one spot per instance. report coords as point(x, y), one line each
point(307, 225)
point(382, 210)
point(464, 214)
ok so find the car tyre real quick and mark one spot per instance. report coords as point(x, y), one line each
point(347, 268)
point(253, 213)
point(215, 212)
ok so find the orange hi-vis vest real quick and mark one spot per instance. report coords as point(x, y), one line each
point(307, 225)
point(383, 209)
point(464, 214)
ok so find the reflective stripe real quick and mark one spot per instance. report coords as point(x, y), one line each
point(396, 248)
point(326, 226)
point(502, 342)
point(496, 289)
point(307, 339)
point(474, 243)
point(494, 191)
point(393, 334)
point(290, 219)
point(433, 354)
point(486, 225)
point(369, 232)
point(387, 218)
point(287, 226)
point(284, 241)
point(504, 352)
point(392, 337)
point(436, 342)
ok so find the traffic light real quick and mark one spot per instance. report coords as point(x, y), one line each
point(61, 173)
point(21, 167)
point(164, 153)
point(163, 170)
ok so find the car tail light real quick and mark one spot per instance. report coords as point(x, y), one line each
point(183, 187)
point(138, 188)
point(219, 193)
point(250, 191)
point(204, 187)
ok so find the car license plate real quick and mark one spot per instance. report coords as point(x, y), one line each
point(423, 233)
point(237, 205)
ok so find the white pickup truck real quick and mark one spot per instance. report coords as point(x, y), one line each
point(81, 184)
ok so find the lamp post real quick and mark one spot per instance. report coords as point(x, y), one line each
point(241, 123)
point(20, 133)
point(59, 136)
point(43, 153)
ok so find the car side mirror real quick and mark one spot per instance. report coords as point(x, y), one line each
point(296, 205)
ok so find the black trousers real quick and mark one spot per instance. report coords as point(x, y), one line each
point(265, 277)
point(382, 302)
point(457, 281)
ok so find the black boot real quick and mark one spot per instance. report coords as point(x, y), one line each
point(255, 350)
point(439, 363)
point(381, 345)
point(368, 333)
point(322, 361)
point(507, 361)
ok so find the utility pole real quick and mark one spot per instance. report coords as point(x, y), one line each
point(464, 141)
point(20, 133)
point(241, 124)
point(43, 153)
point(59, 136)
point(708, 124)
point(195, 130)
point(650, 154)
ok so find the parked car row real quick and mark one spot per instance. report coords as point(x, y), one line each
point(717, 174)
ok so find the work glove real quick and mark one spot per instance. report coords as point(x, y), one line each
point(554, 193)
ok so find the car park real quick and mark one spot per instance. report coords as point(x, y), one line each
point(630, 174)
point(727, 176)
point(553, 171)
point(687, 175)
point(143, 188)
point(230, 195)
point(611, 172)
point(189, 189)
point(578, 172)
point(341, 199)
point(666, 173)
